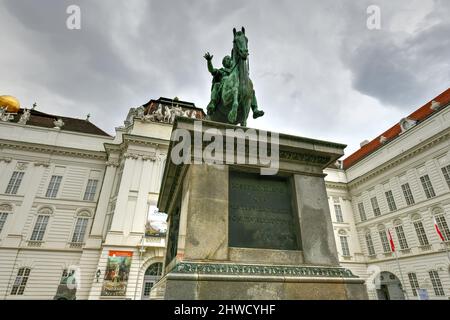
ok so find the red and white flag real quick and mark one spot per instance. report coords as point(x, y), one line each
point(391, 241)
point(438, 230)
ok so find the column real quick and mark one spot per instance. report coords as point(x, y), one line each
point(120, 211)
point(140, 214)
point(103, 200)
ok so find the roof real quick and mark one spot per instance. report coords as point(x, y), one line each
point(392, 133)
point(45, 120)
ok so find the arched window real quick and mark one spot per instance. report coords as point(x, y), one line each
point(152, 275)
point(441, 222)
point(369, 243)
point(344, 243)
point(420, 230)
point(384, 239)
point(154, 269)
point(398, 225)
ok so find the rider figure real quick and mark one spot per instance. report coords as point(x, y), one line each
point(218, 76)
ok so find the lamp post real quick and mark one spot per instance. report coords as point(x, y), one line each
point(97, 274)
point(141, 247)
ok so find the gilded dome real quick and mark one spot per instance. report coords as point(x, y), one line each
point(11, 103)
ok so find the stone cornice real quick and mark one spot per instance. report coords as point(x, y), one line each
point(220, 125)
point(336, 185)
point(443, 135)
point(53, 150)
point(136, 156)
point(142, 140)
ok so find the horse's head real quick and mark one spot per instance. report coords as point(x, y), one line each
point(240, 43)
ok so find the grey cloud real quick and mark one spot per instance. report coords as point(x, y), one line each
point(399, 68)
point(314, 65)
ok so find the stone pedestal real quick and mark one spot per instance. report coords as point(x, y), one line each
point(236, 234)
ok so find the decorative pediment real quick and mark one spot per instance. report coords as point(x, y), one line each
point(84, 213)
point(45, 210)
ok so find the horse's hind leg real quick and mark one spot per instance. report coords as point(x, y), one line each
point(233, 112)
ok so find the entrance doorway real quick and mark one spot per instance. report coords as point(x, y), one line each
point(152, 275)
point(390, 287)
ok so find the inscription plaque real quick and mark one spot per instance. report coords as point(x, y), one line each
point(260, 212)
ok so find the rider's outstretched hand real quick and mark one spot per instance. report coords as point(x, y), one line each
point(208, 56)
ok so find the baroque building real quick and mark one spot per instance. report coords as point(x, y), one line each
point(75, 203)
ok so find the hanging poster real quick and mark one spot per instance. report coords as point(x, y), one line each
point(116, 274)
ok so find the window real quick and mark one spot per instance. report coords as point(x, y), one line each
point(443, 226)
point(39, 228)
point(338, 211)
point(369, 242)
point(53, 186)
point(401, 237)
point(408, 194)
point(362, 211)
point(385, 241)
point(390, 200)
point(436, 282)
point(147, 288)
point(14, 182)
point(80, 230)
point(154, 270)
point(413, 282)
point(420, 231)
point(3, 217)
point(21, 281)
point(91, 188)
point(427, 186)
point(446, 173)
point(375, 207)
point(344, 245)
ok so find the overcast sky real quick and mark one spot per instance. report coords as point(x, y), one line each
point(317, 69)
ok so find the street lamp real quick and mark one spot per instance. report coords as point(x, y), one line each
point(141, 247)
point(98, 273)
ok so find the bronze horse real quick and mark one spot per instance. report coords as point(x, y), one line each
point(237, 95)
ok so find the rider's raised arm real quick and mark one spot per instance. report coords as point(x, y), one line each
point(211, 68)
point(208, 58)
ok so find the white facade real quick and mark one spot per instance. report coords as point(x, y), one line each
point(421, 151)
point(40, 220)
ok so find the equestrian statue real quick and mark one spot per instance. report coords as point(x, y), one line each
point(232, 94)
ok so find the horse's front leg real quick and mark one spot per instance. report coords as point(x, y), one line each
point(232, 115)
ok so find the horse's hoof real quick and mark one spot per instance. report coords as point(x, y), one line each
point(232, 117)
point(257, 114)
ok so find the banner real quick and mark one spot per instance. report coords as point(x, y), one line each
point(116, 274)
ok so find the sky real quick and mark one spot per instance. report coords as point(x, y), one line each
point(318, 70)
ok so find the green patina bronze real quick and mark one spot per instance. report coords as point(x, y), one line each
point(262, 270)
point(232, 94)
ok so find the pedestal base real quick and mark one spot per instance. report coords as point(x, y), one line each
point(205, 281)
